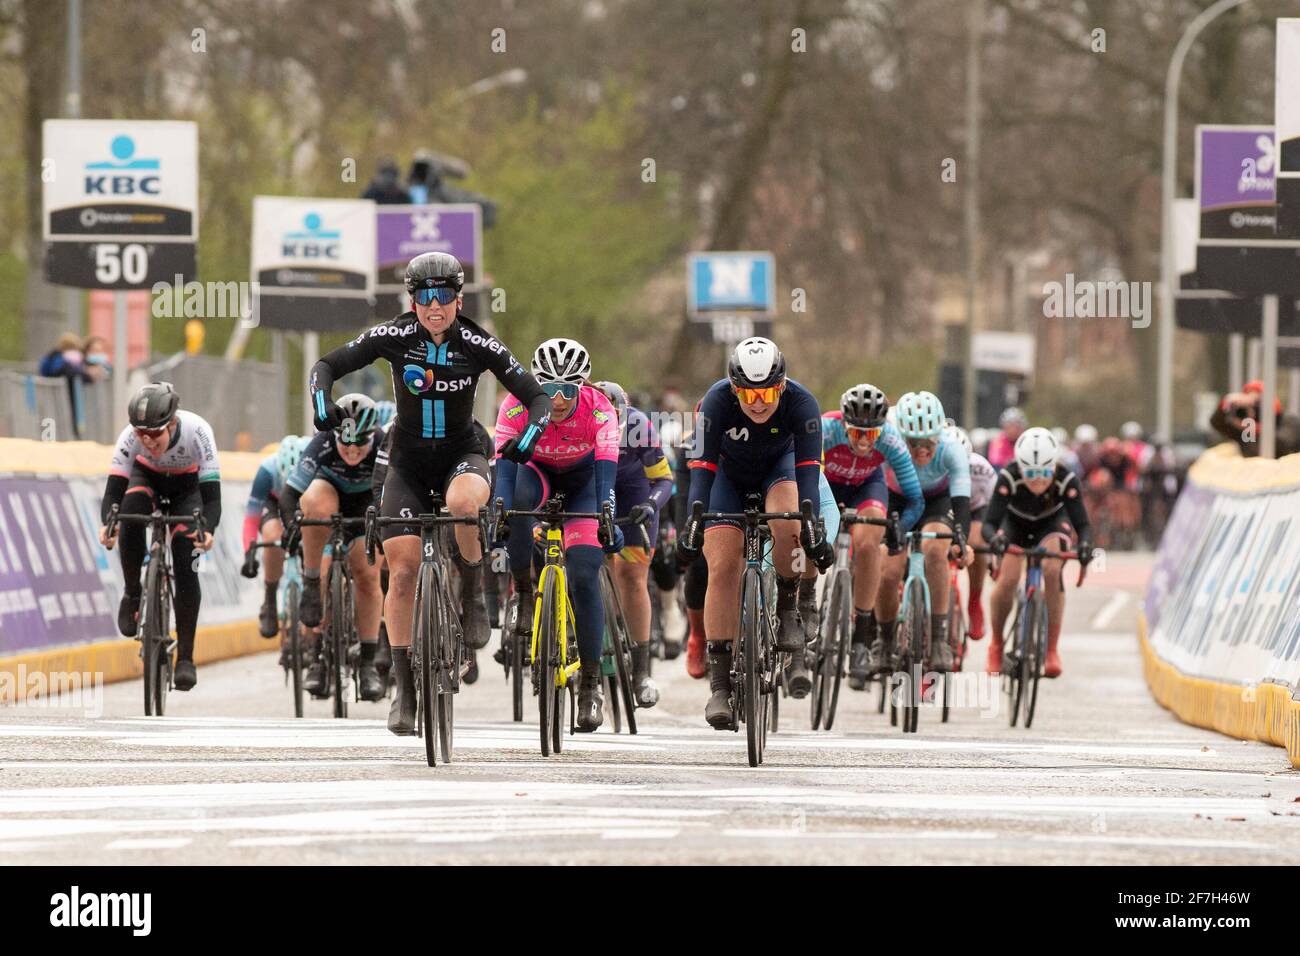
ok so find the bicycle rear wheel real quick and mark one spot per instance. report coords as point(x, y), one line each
point(337, 639)
point(620, 642)
point(516, 664)
point(954, 624)
point(842, 610)
point(1032, 668)
point(751, 655)
point(1015, 687)
point(917, 631)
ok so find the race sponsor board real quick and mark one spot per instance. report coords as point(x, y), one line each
point(59, 587)
point(404, 232)
point(120, 202)
point(314, 262)
point(729, 283)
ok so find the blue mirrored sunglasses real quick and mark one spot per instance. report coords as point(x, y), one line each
point(442, 294)
point(570, 392)
point(1032, 473)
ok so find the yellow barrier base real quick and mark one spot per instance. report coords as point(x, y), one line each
point(120, 660)
point(1265, 712)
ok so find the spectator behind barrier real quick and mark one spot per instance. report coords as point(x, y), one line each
point(385, 188)
point(67, 360)
point(1237, 419)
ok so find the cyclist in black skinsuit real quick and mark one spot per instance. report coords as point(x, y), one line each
point(436, 355)
point(164, 453)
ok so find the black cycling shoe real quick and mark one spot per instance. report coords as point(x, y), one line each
point(268, 619)
point(644, 689)
point(185, 676)
point(797, 679)
point(383, 658)
point(671, 649)
point(882, 650)
point(128, 613)
point(718, 710)
point(401, 716)
point(474, 622)
point(313, 682)
point(372, 685)
point(859, 666)
point(789, 634)
point(808, 615)
point(471, 669)
point(590, 698)
point(309, 607)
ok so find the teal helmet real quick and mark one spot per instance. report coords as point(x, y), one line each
point(920, 415)
point(288, 455)
point(360, 419)
point(386, 412)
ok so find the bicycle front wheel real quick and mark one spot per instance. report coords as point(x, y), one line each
point(423, 648)
point(1032, 667)
point(842, 620)
point(1015, 641)
point(516, 666)
point(750, 649)
point(293, 634)
point(162, 641)
point(546, 667)
point(446, 668)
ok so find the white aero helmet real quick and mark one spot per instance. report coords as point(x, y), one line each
point(1086, 435)
point(920, 415)
point(756, 363)
point(564, 361)
point(1037, 451)
point(958, 434)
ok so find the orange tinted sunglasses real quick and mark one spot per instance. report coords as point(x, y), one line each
point(749, 396)
point(858, 433)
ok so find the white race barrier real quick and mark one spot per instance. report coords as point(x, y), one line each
point(1220, 628)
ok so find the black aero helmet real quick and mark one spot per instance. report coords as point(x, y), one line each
point(431, 270)
point(153, 406)
point(864, 406)
point(756, 363)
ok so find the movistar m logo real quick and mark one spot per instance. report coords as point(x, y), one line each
point(738, 434)
point(129, 176)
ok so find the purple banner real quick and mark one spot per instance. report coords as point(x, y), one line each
point(1177, 548)
point(1235, 181)
point(403, 232)
point(51, 592)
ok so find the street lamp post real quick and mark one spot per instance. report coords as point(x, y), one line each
point(1165, 342)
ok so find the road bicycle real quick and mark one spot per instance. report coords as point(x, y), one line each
point(912, 649)
point(156, 643)
point(291, 629)
point(439, 658)
point(340, 647)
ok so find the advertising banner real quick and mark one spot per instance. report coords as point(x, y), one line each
point(1235, 169)
point(59, 587)
point(314, 262)
point(120, 202)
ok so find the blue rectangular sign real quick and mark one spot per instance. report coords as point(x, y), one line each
point(726, 282)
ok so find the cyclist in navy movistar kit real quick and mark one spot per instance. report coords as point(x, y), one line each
point(437, 356)
point(859, 443)
point(757, 432)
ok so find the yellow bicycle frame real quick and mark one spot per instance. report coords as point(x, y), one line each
point(564, 622)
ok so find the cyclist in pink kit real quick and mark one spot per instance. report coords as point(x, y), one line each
point(577, 456)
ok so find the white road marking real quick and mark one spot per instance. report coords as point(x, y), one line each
point(158, 843)
point(1101, 620)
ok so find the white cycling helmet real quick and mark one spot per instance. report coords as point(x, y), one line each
point(1130, 431)
point(959, 435)
point(1037, 448)
point(288, 454)
point(1061, 435)
point(1086, 435)
point(564, 361)
point(920, 415)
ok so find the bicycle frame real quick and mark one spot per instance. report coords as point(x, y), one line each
point(564, 619)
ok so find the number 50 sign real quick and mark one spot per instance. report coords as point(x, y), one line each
point(120, 202)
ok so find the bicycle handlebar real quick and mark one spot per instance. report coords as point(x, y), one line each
point(156, 517)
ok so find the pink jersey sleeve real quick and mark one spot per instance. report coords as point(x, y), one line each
point(511, 418)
